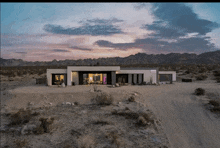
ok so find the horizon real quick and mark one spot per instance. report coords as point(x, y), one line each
point(72, 31)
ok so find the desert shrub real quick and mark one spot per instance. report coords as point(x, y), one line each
point(44, 126)
point(201, 77)
point(217, 79)
point(131, 99)
point(216, 73)
point(215, 109)
point(187, 72)
point(199, 91)
point(20, 143)
point(20, 117)
point(103, 99)
point(142, 118)
point(76, 103)
point(214, 103)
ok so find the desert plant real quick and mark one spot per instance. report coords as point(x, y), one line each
point(131, 98)
point(199, 91)
point(214, 103)
point(201, 77)
point(103, 99)
point(44, 126)
point(20, 117)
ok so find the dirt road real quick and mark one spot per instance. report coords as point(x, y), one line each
point(185, 121)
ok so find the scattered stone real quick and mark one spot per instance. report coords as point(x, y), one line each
point(117, 85)
point(30, 103)
point(113, 86)
point(63, 85)
point(72, 104)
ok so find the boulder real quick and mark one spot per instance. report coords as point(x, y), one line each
point(117, 85)
point(63, 85)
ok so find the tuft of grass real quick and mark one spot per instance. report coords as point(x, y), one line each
point(103, 99)
point(21, 143)
point(199, 91)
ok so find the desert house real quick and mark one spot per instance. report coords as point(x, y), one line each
point(107, 75)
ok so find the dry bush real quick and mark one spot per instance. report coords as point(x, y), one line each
point(131, 98)
point(21, 117)
point(45, 126)
point(142, 118)
point(215, 109)
point(201, 77)
point(20, 143)
point(214, 103)
point(103, 99)
point(199, 91)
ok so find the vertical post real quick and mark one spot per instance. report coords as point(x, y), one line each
point(135, 78)
point(140, 78)
point(113, 74)
point(129, 78)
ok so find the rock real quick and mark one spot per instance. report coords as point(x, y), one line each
point(72, 104)
point(66, 103)
point(113, 86)
point(117, 85)
point(30, 103)
point(29, 128)
point(63, 85)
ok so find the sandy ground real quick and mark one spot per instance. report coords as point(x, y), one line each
point(183, 116)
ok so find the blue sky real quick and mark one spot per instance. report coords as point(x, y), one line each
point(47, 31)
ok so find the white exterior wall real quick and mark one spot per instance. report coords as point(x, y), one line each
point(169, 72)
point(147, 74)
point(54, 71)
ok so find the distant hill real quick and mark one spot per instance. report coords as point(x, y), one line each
point(139, 58)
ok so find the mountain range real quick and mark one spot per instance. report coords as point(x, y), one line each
point(139, 58)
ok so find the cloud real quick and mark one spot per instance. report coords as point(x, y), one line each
point(80, 48)
point(101, 21)
point(20, 52)
point(156, 45)
point(176, 19)
point(94, 27)
point(60, 50)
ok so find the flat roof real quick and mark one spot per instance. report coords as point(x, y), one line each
point(93, 68)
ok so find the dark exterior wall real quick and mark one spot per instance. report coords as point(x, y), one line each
point(113, 76)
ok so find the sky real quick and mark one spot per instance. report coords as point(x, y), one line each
point(48, 31)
